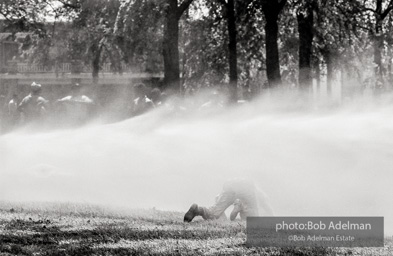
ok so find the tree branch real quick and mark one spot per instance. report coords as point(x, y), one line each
point(362, 27)
point(67, 4)
point(388, 9)
point(184, 5)
point(386, 12)
point(369, 9)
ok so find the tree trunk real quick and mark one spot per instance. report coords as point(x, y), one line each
point(390, 66)
point(96, 62)
point(272, 55)
point(342, 84)
point(171, 49)
point(378, 42)
point(171, 43)
point(329, 72)
point(378, 45)
point(271, 10)
point(389, 46)
point(231, 18)
point(305, 28)
point(318, 74)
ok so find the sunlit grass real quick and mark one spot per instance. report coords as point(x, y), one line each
point(77, 229)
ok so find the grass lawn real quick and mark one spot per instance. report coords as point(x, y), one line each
point(71, 229)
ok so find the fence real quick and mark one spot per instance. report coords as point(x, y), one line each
point(66, 68)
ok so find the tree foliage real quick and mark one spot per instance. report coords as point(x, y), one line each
point(139, 33)
point(204, 43)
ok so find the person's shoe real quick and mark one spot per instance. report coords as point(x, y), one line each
point(192, 212)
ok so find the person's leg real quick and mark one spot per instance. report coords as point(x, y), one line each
point(242, 209)
point(225, 199)
point(215, 212)
point(222, 216)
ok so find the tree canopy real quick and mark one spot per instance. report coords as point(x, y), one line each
point(242, 46)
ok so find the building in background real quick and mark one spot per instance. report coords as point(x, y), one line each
point(8, 52)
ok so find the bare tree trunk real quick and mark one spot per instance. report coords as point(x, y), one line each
point(96, 49)
point(329, 72)
point(171, 49)
point(390, 66)
point(232, 50)
point(271, 10)
point(390, 56)
point(170, 44)
point(378, 41)
point(272, 55)
point(378, 45)
point(342, 83)
point(318, 74)
point(305, 28)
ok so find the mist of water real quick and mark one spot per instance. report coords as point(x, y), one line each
point(310, 162)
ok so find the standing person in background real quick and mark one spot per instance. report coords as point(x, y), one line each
point(76, 108)
point(155, 96)
point(141, 102)
point(248, 200)
point(12, 109)
point(3, 116)
point(33, 106)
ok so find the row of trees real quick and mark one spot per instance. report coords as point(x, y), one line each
point(196, 42)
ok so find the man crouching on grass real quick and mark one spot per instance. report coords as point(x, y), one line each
point(243, 194)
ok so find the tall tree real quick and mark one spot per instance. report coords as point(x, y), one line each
point(139, 34)
point(173, 13)
point(305, 19)
point(93, 26)
point(207, 42)
point(379, 39)
point(371, 15)
point(229, 7)
point(271, 10)
point(335, 38)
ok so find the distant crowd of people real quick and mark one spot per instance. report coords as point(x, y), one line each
point(72, 110)
point(34, 109)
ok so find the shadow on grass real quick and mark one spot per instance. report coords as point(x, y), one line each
point(42, 237)
point(31, 237)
